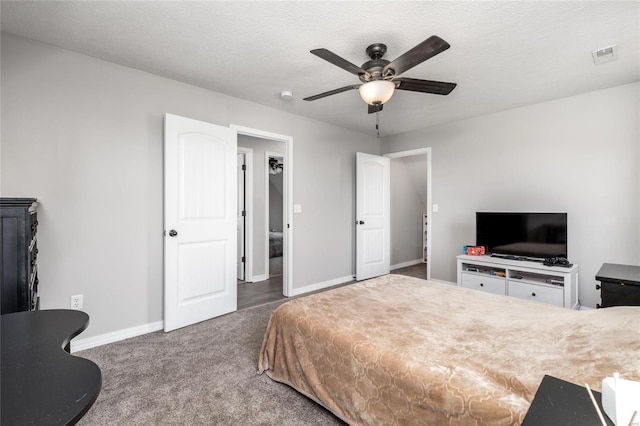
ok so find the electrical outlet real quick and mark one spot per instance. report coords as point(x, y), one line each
point(76, 301)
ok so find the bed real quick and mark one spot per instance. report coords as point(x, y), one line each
point(275, 244)
point(397, 350)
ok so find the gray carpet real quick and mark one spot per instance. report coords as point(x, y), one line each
point(204, 374)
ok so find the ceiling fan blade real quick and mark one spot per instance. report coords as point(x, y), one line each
point(425, 86)
point(374, 108)
point(332, 92)
point(425, 50)
point(336, 60)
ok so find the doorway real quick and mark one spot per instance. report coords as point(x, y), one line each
point(411, 195)
point(274, 213)
point(258, 270)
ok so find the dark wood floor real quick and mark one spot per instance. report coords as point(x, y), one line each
point(254, 294)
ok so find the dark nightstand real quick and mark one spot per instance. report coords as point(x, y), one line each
point(619, 285)
point(561, 403)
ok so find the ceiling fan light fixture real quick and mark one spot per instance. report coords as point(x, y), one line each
point(377, 91)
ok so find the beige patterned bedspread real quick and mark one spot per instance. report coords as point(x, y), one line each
point(397, 350)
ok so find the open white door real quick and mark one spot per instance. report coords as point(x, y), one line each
point(373, 216)
point(200, 190)
point(241, 216)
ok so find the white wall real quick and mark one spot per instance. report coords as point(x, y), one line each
point(85, 136)
point(408, 204)
point(578, 155)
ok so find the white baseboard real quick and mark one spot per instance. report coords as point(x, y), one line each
point(258, 278)
point(127, 333)
point(405, 264)
point(115, 336)
point(321, 285)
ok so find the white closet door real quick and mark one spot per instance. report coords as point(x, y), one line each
point(373, 213)
point(241, 216)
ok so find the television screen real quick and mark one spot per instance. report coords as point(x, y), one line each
point(537, 235)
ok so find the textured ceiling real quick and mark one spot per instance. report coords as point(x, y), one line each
point(503, 54)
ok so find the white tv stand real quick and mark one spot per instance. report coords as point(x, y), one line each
point(529, 280)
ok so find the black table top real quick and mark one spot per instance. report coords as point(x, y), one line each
point(623, 273)
point(41, 382)
point(558, 402)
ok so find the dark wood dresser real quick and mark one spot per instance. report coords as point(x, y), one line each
point(619, 285)
point(19, 254)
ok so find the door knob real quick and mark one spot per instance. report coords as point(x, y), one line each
point(361, 222)
point(173, 233)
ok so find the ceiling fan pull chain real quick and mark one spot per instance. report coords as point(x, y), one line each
point(378, 123)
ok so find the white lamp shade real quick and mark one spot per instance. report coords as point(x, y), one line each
point(377, 91)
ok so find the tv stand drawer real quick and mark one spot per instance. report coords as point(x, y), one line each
point(538, 293)
point(485, 283)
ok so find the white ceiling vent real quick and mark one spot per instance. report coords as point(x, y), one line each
point(606, 54)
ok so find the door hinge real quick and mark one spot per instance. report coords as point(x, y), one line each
point(288, 226)
point(244, 213)
point(244, 167)
point(243, 259)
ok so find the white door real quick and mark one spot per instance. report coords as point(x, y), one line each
point(373, 216)
point(241, 216)
point(200, 191)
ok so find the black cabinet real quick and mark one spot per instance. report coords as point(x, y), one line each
point(619, 285)
point(19, 254)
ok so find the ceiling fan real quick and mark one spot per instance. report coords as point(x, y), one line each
point(380, 78)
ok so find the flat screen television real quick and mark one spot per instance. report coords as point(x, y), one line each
point(528, 235)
